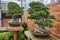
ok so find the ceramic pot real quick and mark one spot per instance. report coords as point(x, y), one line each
point(14, 22)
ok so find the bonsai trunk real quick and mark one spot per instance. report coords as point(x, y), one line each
point(15, 22)
point(15, 19)
point(41, 29)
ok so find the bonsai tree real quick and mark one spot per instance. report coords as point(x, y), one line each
point(39, 12)
point(14, 10)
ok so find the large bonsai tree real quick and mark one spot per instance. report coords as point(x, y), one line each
point(14, 9)
point(39, 12)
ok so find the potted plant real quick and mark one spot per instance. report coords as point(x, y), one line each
point(39, 12)
point(21, 35)
point(24, 25)
point(14, 10)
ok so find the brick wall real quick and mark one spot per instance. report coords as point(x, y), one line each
point(5, 21)
point(55, 10)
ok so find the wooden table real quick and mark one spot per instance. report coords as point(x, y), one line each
point(12, 29)
point(32, 37)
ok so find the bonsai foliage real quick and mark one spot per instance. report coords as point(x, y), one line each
point(14, 9)
point(39, 12)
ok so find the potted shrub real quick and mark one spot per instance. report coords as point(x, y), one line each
point(14, 10)
point(24, 25)
point(21, 35)
point(39, 12)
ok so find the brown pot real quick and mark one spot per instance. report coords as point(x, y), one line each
point(37, 32)
point(41, 35)
point(14, 24)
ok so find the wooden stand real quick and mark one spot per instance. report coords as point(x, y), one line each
point(15, 30)
point(15, 35)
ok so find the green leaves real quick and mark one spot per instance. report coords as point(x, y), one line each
point(35, 3)
point(21, 36)
point(14, 9)
point(51, 17)
point(39, 12)
point(5, 36)
point(37, 6)
point(30, 11)
point(45, 23)
point(1, 31)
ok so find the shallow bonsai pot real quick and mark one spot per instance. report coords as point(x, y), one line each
point(41, 35)
point(14, 24)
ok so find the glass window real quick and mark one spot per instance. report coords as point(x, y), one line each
point(19, 0)
point(0, 4)
point(41, 1)
point(24, 4)
point(58, 0)
point(4, 7)
point(0, 14)
point(52, 1)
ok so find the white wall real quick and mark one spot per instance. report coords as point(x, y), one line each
point(0, 18)
point(0, 13)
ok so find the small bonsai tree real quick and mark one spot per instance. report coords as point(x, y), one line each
point(39, 12)
point(14, 10)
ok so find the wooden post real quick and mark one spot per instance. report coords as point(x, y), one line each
point(15, 35)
